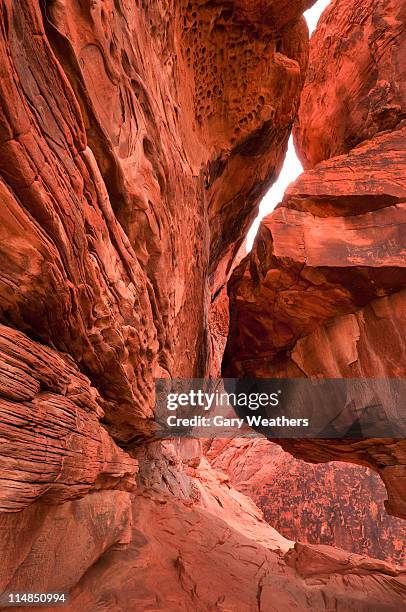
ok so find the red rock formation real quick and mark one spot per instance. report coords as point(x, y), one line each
point(136, 140)
point(322, 292)
point(323, 254)
point(199, 545)
point(48, 548)
point(356, 84)
point(219, 321)
point(335, 503)
point(153, 131)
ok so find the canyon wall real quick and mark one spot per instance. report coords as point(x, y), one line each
point(323, 292)
point(136, 140)
point(334, 503)
point(121, 126)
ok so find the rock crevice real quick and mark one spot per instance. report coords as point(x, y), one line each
point(136, 141)
point(323, 292)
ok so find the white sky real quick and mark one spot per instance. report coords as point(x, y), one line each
point(313, 14)
point(292, 166)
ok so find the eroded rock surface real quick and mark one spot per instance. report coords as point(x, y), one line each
point(52, 546)
point(136, 142)
point(322, 293)
point(53, 445)
point(197, 544)
point(335, 503)
point(323, 255)
point(356, 84)
point(136, 139)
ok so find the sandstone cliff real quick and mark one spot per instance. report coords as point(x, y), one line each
point(136, 140)
point(322, 293)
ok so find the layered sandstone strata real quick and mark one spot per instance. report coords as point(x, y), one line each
point(322, 293)
point(136, 139)
point(197, 544)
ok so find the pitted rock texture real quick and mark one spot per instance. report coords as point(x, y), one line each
point(136, 142)
point(323, 292)
point(335, 503)
point(136, 139)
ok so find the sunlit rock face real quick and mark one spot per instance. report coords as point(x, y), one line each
point(136, 139)
point(197, 544)
point(322, 293)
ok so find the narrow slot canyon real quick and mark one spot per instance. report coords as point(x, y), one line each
point(335, 504)
point(197, 189)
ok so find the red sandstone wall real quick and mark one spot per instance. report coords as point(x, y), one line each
point(335, 503)
point(322, 293)
point(136, 140)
